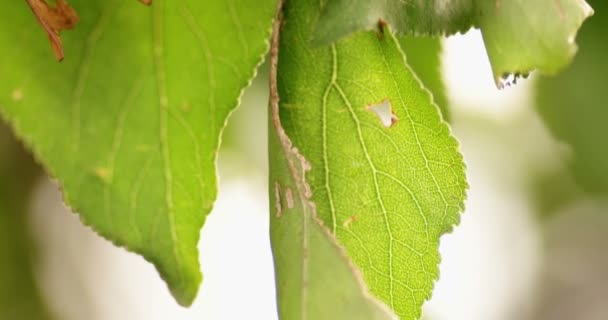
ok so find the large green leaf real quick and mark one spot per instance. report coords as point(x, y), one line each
point(520, 35)
point(386, 187)
point(573, 104)
point(19, 295)
point(129, 123)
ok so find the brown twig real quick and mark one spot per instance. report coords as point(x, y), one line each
point(56, 19)
point(53, 20)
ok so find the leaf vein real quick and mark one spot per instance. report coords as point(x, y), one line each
point(163, 125)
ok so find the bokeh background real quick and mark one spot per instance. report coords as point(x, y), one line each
point(531, 244)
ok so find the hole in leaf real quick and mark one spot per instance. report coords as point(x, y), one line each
point(384, 111)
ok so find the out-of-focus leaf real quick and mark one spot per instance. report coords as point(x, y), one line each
point(520, 35)
point(19, 295)
point(129, 123)
point(386, 177)
point(554, 190)
point(423, 54)
point(574, 104)
point(575, 260)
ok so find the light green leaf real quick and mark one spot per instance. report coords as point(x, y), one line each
point(573, 104)
point(129, 123)
point(519, 35)
point(315, 279)
point(387, 187)
point(423, 54)
point(19, 295)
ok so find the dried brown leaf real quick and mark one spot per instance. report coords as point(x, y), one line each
point(53, 20)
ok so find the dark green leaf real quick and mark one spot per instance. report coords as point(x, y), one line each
point(574, 104)
point(129, 123)
point(387, 185)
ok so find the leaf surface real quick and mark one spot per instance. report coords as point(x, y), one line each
point(573, 104)
point(129, 123)
point(387, 187)
point(315, 279)
point(519, 35)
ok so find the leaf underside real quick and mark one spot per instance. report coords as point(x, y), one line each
point(129, 124)
point(519, 35)
point(19, 294)
point(387, 178)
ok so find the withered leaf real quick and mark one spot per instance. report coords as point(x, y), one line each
point(54, 20)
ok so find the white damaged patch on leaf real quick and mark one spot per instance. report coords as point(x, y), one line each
point(384, 111)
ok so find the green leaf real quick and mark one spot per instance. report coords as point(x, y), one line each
point(519, 35)
point(19, 295)
point(315, 279)
point(423, 54)
point(573, 104)
point(522, 35)
point(387, 187)
point(129, 123)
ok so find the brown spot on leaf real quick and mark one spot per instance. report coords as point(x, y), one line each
point(349, 221)
point(277, 199)
point(54, 20)
point(289, 198)
point(186, 107)
point(104, 174)
point(382, 24)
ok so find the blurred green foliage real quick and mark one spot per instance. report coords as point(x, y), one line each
point(574, 104)
point(519, 35)
point(19, 295)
